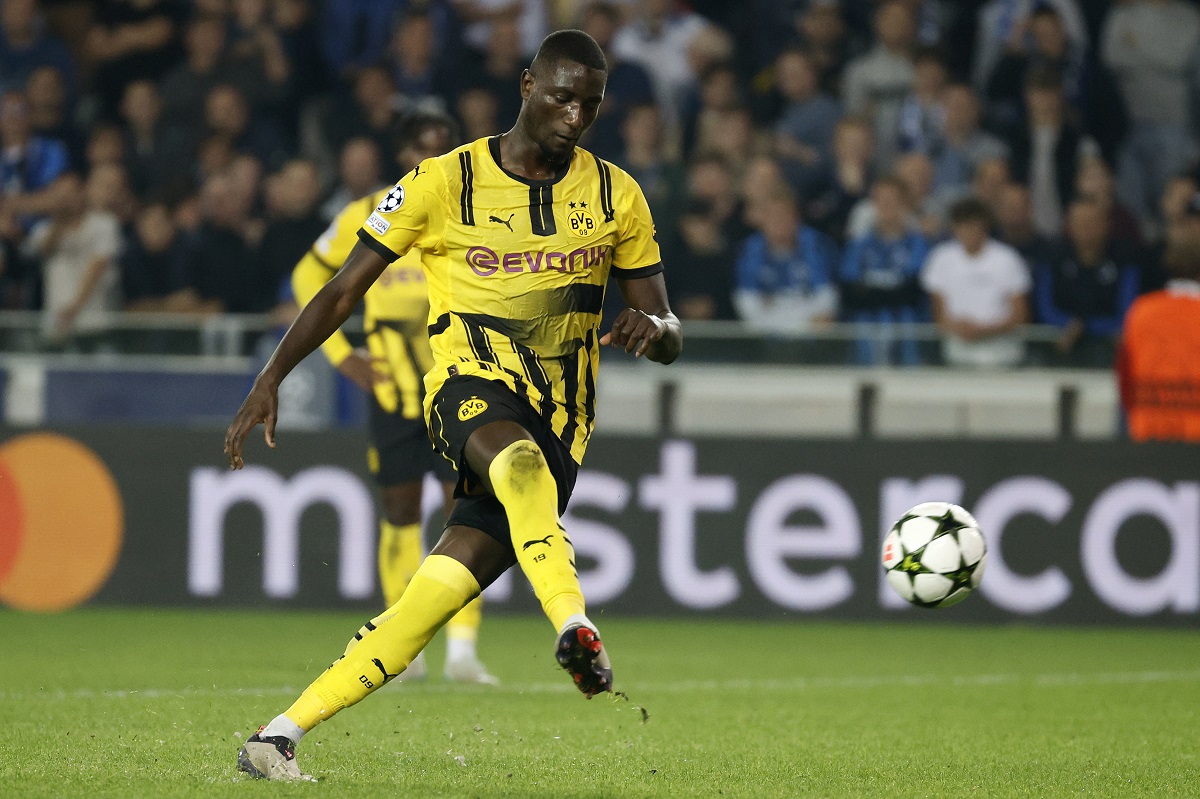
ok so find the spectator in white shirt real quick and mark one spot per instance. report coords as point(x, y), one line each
point(77, 247)
point(979, 292)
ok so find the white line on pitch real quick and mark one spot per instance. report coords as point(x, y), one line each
point(679, 686)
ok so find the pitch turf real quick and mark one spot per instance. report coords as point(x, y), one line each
point(154, 704)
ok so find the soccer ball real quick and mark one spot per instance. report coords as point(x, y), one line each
point(934, 555)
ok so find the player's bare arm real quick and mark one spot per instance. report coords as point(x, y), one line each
point(328, 311)
point(647, 327)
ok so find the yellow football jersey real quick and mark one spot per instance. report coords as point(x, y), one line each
point(517, 270)
point(395, 314)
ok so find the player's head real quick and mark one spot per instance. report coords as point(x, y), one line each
point(424, 135)
point(561, 92)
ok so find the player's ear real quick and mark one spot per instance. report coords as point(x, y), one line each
point(526, 84)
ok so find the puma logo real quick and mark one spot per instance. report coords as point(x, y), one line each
point(505, 222)
point(545, 541)
point(379, 664)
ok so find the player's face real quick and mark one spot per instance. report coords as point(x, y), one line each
point(560, 105)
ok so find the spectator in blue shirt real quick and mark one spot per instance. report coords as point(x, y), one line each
point(785, 272)
point(1087, 287)
point(879, 278)
point(28, 163)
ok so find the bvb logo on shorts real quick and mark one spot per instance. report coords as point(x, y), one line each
point(470, 408)
point(582, 223)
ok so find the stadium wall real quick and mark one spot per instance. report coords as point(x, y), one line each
point(1078, 532)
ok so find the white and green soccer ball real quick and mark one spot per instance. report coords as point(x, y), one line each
point(934, 555)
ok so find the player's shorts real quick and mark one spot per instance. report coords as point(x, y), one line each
point(400, 450)
point(463, 405)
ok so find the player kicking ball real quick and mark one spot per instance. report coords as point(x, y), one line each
point(390, 371)
point(519, 234)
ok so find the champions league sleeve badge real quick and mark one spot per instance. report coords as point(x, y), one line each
point(391, 201)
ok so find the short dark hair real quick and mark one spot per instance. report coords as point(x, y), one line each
point(412, 127)
point(970, 209)
point(570, 45)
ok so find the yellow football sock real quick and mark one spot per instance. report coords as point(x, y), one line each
point(388, 643)
point(522, 481)
point(465, 624)
point(400, 552)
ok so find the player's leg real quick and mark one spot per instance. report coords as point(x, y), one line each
point(462, 632)
point(464, 562)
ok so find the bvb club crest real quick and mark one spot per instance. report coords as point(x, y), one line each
point(581, 221)
point(470, 408)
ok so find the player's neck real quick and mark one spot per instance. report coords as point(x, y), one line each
point(521, 155)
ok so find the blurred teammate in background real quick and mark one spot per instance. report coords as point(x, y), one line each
point(390, 370)
point(520, 234)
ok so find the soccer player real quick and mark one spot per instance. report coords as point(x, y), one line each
point(519, 233)
point(390, 371)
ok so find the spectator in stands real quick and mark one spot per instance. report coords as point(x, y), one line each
point(821, 32)
point(1014, 225)
point(1006, 25)
point(1150, 45)
point(256, 60)
point(359, 174)
point(295, 22)
point(657, 39)
point(131, 39)
point(1094, 181)
point(370, 111)
point(77, 247)
point(153, 265)
point(228, 116)
point(159, 156)
point(355, 34)
point(412, 57)
point(1179, 205)
point(736, 140)
point(809, 116)
point(28, 163)
point(293, 223)
point(50, 111)
point(221, 267)
point(876, 83)
point(921, 122)
point(25, 46)
point(108, 190)
point(710, 178)
point(991, 177)
point(644, 157)
point(963, 146)
point(628, 84)
point(879, 277)
point(1157, 368)
point(926, 212)
point(845, 182)
point(477, 111)
point(1087, 287)
point(527, 17)
point(1046, 151)
point(105, 145)
point(785, 272)
point(202, 70)
point(1089, 88)
point(708, 108)
point(498, 69)
point(702, 284)
point(979, 291)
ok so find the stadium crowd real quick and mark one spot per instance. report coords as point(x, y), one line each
point(981, 164)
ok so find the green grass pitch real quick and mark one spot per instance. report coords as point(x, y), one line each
point(122, 703)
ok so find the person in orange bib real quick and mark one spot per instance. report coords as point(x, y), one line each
point(1158, 365)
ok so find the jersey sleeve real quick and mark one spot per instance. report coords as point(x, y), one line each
point(637, 254)
point(412, 214)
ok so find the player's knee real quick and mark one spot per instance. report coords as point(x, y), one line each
point(519, 465)
point(399, 509)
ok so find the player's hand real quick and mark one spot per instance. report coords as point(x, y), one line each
point(261, 406)
point(634, 331)
point(363, 370)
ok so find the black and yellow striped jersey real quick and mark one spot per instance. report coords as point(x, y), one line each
point(396, 309)
point(517, 270)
